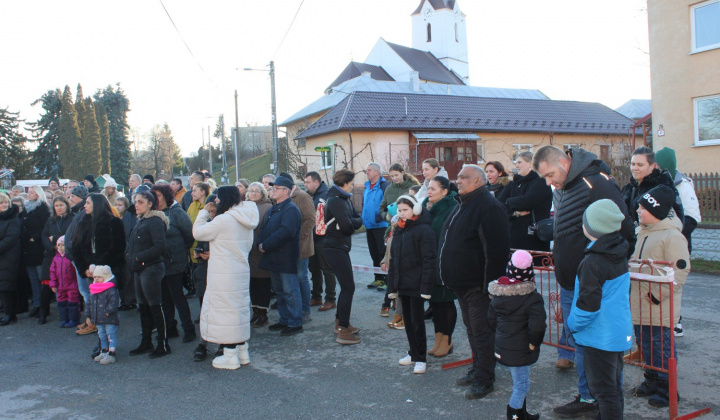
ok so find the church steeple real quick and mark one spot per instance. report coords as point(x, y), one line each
point(439, 27)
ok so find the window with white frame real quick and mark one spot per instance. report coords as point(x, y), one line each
point(518, 148)
point(705, 22)
point(326, 159)
point(707, 120)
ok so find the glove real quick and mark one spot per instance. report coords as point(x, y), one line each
point(426, 297)
point(392, 295)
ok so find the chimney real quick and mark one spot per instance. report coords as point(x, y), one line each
point(415, 79)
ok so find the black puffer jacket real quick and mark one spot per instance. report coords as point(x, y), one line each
point(178, 239)
point(147, 244)
point(78, 212)
point(55, 229)
point(586, 183)
point(517, 315)
point(527, 193)
point(412, 258)
point(347, 220)
point(474, 242)
point(33, 224)
point(633, 192)
point(105, 246)
point(10, 250)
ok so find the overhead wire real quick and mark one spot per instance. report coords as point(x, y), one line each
point(288, 29)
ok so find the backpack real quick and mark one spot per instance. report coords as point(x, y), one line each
point(320, 224)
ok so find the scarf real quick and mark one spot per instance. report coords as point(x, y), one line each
point(401, 222)
point(96, 288)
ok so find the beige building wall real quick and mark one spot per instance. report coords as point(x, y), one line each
point(677, 77)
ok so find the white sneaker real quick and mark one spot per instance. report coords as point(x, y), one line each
point(243, 354)
point(229, 359)
point(420, 367)
point(405, 361)
point(100, 356)
point(109, 358)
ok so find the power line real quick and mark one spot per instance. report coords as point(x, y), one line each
point(186, 44)
point(288, 29)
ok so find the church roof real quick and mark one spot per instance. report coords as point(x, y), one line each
point(336, 94)
point(429, 67)
point(401, 111)
point(355, 69)
point(436, 4)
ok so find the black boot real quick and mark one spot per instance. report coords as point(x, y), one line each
point(515, 414)
point(146, 324)
point(648, 386)
point(162, 348)
point(261, 320)
point(527, 415)
point(255, 315)
point(189, 335)
point(42, 317)
point(7, 319)
point(35, 312)
point(96, 351)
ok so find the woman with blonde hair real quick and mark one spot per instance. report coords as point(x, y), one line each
point(34, 216)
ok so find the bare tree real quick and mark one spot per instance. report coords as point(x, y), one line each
point(159, 154)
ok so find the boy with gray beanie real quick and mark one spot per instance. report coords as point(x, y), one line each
point(600, 319)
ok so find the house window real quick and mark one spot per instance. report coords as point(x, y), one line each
point(518, 148)
point(301, 143)
point(326, 160)
point(705, 20)
point(448, 154)
point(460, 154)
point(429, 33)
point(707, 120)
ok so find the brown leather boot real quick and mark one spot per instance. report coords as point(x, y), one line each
point(395, 320)
point(89, 329)
point(445, 347)
point(436, 345)
point(354, 330)
point(345, 336)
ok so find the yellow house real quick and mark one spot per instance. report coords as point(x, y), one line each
point(685, 75)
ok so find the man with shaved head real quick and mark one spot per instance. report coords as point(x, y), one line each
point(473, 250)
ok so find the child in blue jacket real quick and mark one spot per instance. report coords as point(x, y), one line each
point(600, 317)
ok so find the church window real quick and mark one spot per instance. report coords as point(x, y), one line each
point(429, 33)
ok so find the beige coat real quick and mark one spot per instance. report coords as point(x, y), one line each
point(307, 213)
point(663, 241)
point(225, 313)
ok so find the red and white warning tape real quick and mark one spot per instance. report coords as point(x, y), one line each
point(366, 269)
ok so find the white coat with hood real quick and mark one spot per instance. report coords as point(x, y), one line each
point(225, 314)
point(423, 192)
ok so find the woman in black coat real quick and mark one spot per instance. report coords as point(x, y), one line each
point(10, 228)
point(528, 200)
point(342, 220)
point(55, 227)
point(126, 284)
point(34, 217)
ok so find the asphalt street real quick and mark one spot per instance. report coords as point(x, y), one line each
point(46, 371)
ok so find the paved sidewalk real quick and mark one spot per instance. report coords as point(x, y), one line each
point(46, 371)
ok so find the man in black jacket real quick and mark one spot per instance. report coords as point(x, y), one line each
point(319, 266)
point(580, 179)
point(473, 250)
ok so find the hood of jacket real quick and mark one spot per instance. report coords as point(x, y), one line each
point(518, 289)
point(322, 189)
point(408, 181)
point(520, 179)
point(442, 205)
point(159, 214)
point(334, 191)
point(441, 172)
point(10, 213)
point(656, 177)
point(239, 213)
point(612, 246)
point(501, 182)
point(423, 219)
point(665, 224)
point(582, 163)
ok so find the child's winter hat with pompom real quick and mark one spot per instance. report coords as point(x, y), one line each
point(519, 269)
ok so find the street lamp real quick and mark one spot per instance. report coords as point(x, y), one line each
point(275, 167)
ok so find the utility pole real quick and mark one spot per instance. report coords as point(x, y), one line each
point(209, 151)
point(237, 142)
point(223, 177)
point(276, 169)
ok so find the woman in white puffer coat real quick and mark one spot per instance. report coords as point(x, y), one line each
point(225, 314)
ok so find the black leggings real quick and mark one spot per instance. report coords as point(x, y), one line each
point(444, 317)
point(414, 317)
point(9, 300)
point(260, 292)
point(340, 262)
point(173, 297)
point(46, 295)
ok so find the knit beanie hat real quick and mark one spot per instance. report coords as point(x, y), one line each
point(519, 269)
point(150, 178)
point(102, 271)
point(80, 191)
point(665, 158)
point(54, 178)
point(61, 240)
point(658, 201)
point(602, 217)
point(109, 182)
point(89, 178)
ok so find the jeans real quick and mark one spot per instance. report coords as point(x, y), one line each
point(342, 266)
point(415, 327)
point(302, 275)
point(35, 272)
point(521, 385)
point(108, 336)
point(320, 268)
point(84, 289)
point(172, 298)
point(289, 301)
point(474, 304)
point(566, 298)
point(604, 376)
point(376, 246)
point(655, 346)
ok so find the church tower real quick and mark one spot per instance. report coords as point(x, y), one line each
point(439, 27)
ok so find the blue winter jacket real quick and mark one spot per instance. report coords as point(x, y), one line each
point(371, 204)
point(600, 314)
point(280, 238)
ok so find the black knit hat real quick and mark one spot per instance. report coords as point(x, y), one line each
point(149, 178)
point(89, 178)
point(519, 269)
point(54, 178)
point(658, 201)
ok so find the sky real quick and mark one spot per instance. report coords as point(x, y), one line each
point(569, 49)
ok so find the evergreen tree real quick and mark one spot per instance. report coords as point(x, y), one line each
point(117, 106)
point(104, 125)
point(89, 152)
point(46, 132)
point(69, 138)
point(13, 154)
point(80, 108)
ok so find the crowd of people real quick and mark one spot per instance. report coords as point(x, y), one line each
point(97, 251)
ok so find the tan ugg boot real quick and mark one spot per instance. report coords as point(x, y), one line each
point(445, 347)
point(436, 345)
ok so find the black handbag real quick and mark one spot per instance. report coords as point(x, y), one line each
point(543, 229)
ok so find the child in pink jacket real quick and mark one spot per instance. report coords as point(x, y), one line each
point(63, 282)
